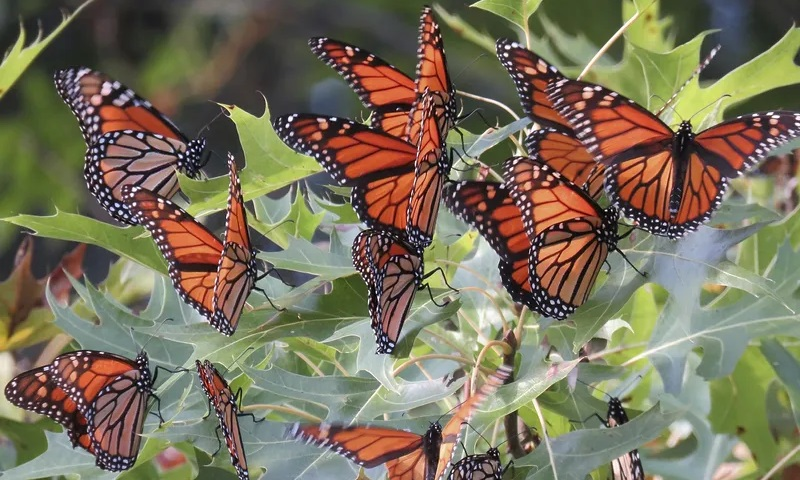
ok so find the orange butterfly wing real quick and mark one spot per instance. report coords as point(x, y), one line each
point(566, 154)
point(531, 75)
point(489, 208)
point(225, 406)
point(432, 72)
point(570, 235)
point(192, 251)
point(386, 91)
point(393, 273)
point(104, 105)
point(378, 166)
point(430, 170)
point(237, 272)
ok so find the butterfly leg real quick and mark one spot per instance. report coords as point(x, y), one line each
point(444, 278)
point(157, 413)
point(239, 398)
point(274, 307)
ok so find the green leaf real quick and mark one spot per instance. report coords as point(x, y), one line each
point(270, 164)
point(515, 11)
point(19, 57)
point(124, 241)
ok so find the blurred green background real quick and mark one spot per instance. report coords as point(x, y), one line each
point(184, 54)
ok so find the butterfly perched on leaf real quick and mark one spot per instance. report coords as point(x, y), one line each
point(387, 92)
point(668, 182)
point(406, 455)
point(214, 277)
point(223, 401)
point(396, 184)
point(100, 398)
point(128, 141)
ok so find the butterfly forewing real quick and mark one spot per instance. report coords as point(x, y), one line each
point(432, 72)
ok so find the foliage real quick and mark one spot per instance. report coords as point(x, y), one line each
point(707, 341)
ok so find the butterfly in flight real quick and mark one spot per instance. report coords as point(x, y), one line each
point(129, 142)
point(668, 182)
point(555, 143)
point(389, 93)
point(212, 276)
point(407, 455)
point(570, 235)
point(100, 398)
point(223, 401)
point(489, 208)
point(485, 466)
point(396, 184)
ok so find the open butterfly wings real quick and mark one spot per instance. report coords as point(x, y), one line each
point(223, 401)
point(408, 456)
point(628, 466)
point(99, 397)
point(214, 278)
point(556, 143)
point(486, 466)
point(667, 182)
point(35, 391)
point(128, 141)
point(570, 234)
point(393, 273)
point(386, 91)
point(489, 208)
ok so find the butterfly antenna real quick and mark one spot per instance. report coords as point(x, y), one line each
point(710, 104)
point(694, 74)
point(476, 431)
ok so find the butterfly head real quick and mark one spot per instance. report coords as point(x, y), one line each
point(194, 158)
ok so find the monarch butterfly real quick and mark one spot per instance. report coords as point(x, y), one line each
point(393, 272)
point(488, 207)
point(628, 466)
point(128, 141)
point(407, 455)
point(214, 277)
point(35, 391)
point(478, 467)
point(556, 143)
point(110, 393)
point(396, 184)
point(668, 182)
point(570, 234)
point(389, 93)
point(223, 401)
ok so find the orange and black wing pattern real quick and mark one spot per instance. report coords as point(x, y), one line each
point(386, 91)
point(451, 434)
point(431, 168)
point(111, 392)
point(570, 234)
point(531, 75)
point(668, 182)
point(432, 72)
point(393, 272)
point(35, 391)
point(566, 154)
point(378, 166)
point(191, 250)
point(237, 270)
point(489, 208)
point(224, 403)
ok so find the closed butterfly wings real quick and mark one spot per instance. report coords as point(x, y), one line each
point(628, 466)
point(668, 182)
point(129, 142)
point(570, 234)
point(223, 401)
point(393, 272)
point(486, 466)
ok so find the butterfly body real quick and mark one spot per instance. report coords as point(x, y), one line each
point(99, 397)
point(668, 182)
point(628, 466)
